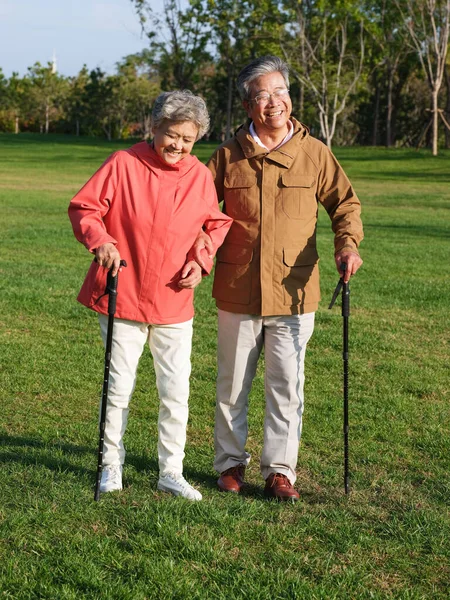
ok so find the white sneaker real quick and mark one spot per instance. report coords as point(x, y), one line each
point(111, 478)
point(178, 486)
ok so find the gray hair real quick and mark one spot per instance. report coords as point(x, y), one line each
point(181, 106)
point(260, 66)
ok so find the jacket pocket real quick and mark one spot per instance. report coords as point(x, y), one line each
point(234, 254)
point(233, 276)
point(300, 258)
point(241, 196)
point(97, 276)
point(301, 276)
point(298, 195)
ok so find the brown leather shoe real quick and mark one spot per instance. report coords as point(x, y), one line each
point(232, 480)
point(278, 486)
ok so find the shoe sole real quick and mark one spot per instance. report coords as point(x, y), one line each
point(291, 499)
point(106, 490)
point(176, 493)
point(225, 491)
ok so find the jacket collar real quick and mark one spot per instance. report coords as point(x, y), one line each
point(284, 155)
point(147, 155)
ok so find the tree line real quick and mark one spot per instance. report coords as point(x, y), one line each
point(362, 72)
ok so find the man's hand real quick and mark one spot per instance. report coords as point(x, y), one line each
point(352, 260)
point(203, 242)
point(191, 275)
point(108, 256)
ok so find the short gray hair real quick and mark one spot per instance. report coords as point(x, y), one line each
point(260, 66)
point(180, 106)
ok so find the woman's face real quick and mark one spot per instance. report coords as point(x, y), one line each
point(173, 141)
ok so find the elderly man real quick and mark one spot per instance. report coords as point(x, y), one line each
point(271, 176)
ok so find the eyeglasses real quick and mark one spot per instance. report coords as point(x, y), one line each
point(264, 97)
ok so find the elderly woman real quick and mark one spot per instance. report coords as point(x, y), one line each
point(146, 205)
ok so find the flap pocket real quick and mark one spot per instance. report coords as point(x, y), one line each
point(235, 254)
point(293, 257)
point(240, 181)
point(297, 181)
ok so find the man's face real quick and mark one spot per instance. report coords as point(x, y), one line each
point(173, 141)
point(269, 114)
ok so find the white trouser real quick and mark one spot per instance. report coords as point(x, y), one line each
point(170, 346)
point(240, 341)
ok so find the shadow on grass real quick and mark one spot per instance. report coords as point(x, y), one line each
point(210, 481)
point(253, 491)
point(34, 452)
point(405, 176)
point(370, 154)
point(23, 450)
point(414, 230)
point(142, 463)
point(256, 492)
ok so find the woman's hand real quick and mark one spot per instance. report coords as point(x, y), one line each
point(108, 256)
point(191, 275)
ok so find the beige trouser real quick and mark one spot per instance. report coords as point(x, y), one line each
point(170, 346)
point(240, 341)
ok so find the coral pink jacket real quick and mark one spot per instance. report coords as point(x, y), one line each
point(152, 212)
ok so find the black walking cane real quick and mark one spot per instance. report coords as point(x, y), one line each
point(111, 291)
point(345, 287)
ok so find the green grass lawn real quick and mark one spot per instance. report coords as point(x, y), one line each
point(388, 539)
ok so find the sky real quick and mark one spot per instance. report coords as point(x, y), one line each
point(92, 32)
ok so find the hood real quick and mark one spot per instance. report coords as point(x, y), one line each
point(287, 151)
point(147, 155)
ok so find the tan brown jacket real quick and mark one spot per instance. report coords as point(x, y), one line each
point(268, 264)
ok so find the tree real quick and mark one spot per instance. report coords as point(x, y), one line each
point(45, 94)
point(17, 98)
point(138, 87)
point(3, 97)
point(428, 24)
point(447, 106)
point(177, 42)
point(99, 99)
point(323, 57)
point(3, 87)
point(241, 31)
point(206, 44)
point(75, 105)
point(389, 52)
point(224, 23)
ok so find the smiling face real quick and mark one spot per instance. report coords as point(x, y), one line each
point(173, 141)
point(269, 117)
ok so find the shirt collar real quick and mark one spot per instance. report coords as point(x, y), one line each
point(288, 136)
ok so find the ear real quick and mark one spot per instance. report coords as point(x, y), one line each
point(247, 106)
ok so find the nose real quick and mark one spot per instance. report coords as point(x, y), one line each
point(273, 99)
